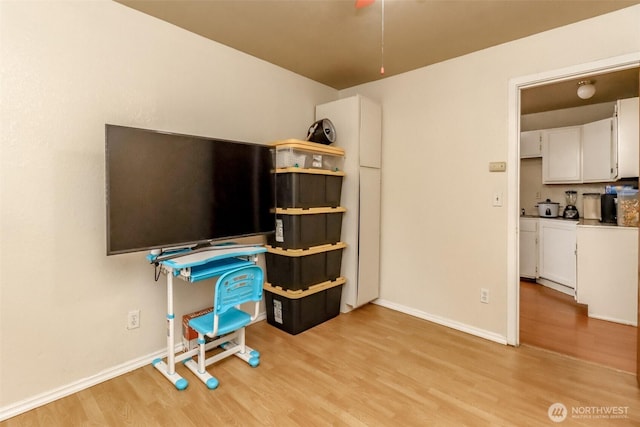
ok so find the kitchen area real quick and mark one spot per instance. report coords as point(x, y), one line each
point(579, 169)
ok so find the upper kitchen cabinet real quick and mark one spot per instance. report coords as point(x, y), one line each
point(562, 155)
point(531, 144)
point(628, 137)
point(605, 150)
point(599, 152)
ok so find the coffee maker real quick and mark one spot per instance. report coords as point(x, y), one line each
point(570, 211)
point(608, 208)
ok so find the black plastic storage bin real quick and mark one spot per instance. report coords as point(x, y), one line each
point(308, 188)
point(297, 311)
point(298, 228)
point(298, 269)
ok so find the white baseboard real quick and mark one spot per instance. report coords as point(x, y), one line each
point(42, 399)
point(36, 401)
point(556, 286)
point(613, 319)
point(491, 336)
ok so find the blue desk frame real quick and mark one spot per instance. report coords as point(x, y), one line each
point(194, 267)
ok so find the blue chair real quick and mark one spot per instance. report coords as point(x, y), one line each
point(226, 323)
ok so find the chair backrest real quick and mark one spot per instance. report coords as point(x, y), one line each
point(238, 286)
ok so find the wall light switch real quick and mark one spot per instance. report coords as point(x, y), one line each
point(497, 166)
point(497, 199)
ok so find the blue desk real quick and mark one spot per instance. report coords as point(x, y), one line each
point(194, 267)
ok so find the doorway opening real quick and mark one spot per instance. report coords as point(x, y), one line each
point(541, 82)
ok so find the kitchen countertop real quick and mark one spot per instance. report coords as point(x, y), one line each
point(581, 221)
point(558, 218)
point(597, 223)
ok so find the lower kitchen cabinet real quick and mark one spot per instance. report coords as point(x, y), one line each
point(529, 248)
point(557, 251)
point(608, 272)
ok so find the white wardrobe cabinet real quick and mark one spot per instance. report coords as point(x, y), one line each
point(358, 124)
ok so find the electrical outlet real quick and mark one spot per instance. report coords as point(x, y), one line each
point(133, 319)
point(484, 296)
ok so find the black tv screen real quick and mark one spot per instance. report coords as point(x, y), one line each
point(166, 190)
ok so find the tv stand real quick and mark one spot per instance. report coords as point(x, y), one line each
point(193, 266)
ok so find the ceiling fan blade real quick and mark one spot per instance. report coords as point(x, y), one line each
point(363, 3)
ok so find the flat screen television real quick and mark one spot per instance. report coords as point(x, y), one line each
point(166, 190)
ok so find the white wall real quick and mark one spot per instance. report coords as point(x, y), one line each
point(67, 68)
point(441, 238)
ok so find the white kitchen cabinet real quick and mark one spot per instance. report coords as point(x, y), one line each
point(531, 144)
point(599, 152)
point(562, 155)
point(607, 266)
point(358, 124)
point(628, 137)
point(557, 251)
point(529, 247)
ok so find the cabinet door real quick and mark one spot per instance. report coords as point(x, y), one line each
point(562, 155)
point(370, 136)
point(528, 248)
point(530, 144)
point(628, 137)
point(369, 236)
point(557, 251)
point(598, 152)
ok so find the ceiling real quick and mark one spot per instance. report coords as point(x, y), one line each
point(339, 45)
point(609, 87)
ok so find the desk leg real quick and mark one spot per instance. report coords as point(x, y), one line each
point(168, 369)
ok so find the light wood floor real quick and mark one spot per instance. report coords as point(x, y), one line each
point(552, 320)
point(372, 367)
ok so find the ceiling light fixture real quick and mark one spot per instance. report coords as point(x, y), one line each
point(586, 89)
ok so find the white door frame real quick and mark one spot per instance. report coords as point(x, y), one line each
point(513, 173)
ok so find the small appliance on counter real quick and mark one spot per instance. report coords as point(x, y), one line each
point(608, 208)
point(591, 205)
point(548, 209)
point(570, 211)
